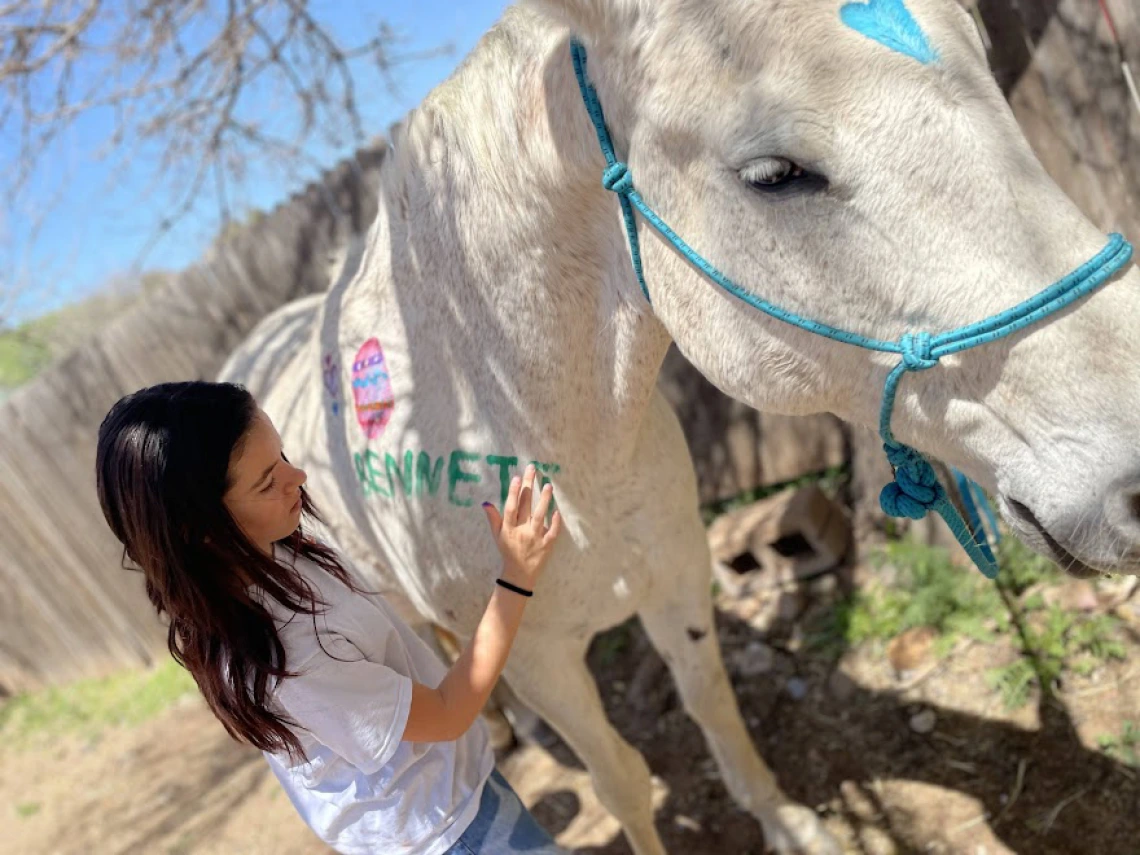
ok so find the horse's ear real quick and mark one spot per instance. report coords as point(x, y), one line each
point(595, 20)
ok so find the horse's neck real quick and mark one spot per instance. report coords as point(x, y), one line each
point(496, 212)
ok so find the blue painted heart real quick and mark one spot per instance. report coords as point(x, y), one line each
point(891, 24)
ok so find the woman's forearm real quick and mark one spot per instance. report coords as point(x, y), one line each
point(445, 713)
point(525, 543)
point(468, 684)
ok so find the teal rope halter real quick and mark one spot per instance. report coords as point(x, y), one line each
point(915, 490)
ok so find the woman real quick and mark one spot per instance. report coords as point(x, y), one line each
point(375, 741)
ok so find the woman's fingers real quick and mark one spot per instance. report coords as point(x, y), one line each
point(493, 517)
point(526, 497)
point(543, 505)
point(510, 507)
point(555, 529)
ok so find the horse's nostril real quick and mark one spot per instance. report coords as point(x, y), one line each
point(1134, 506)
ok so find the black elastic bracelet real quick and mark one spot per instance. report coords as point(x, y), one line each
point(514, 588)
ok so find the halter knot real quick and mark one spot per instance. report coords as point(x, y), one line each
point(915, 490)
point(916, 351)
point(617, 179)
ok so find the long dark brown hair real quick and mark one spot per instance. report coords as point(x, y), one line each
point(162, 469)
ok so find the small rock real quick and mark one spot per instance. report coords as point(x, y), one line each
point(796, 688)
point(765, 613)
point(742, 607)
point(1114, 591)
point(877, 842)
point(840, 686)
point(923, 722)
point(796, 640)
point(754, 659)
point(824, 586)
point(790, 605)
point(686, 822)
point(912, 649)
point(1129, 612)
point(1075, 595)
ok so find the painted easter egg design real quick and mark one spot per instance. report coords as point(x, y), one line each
point(371, 389)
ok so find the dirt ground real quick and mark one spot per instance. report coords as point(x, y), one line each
point(927, 762)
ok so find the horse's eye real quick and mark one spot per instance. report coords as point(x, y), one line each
point(771, 172)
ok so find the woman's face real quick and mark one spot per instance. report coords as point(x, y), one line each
point(265, 491)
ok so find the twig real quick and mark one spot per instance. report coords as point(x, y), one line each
point(1046, 824)
point(1022, 765)
point(1123, 769)
point(936, 667)
point(956, 741)
point(1130, 675)
point(965, 826)
point(829, 721)
point(960, 765)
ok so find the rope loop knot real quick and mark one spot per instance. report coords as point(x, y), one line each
point(915, 490)
point(916, 351)
point(617, 179)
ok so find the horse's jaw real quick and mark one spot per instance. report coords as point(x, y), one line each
point(1066, 469)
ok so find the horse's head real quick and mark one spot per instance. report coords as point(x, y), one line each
point(857, 164)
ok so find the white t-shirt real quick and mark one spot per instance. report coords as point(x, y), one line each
point(362, 789)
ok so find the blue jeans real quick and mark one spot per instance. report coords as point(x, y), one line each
point(503, 826)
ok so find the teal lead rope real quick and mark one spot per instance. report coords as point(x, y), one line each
point(915, 490)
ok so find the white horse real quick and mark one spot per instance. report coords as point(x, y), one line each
point(854, 163)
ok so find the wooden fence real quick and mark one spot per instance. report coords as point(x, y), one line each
point(66, 607)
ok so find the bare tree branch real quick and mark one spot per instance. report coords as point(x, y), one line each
point(207, 87)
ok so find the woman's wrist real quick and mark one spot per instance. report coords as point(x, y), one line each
point(512, 578)
point(514, 589)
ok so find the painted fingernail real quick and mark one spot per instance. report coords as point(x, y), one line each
point(488, 505)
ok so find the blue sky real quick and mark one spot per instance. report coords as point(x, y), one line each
point(98, 221)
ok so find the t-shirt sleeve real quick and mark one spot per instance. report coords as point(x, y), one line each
point(356, 707)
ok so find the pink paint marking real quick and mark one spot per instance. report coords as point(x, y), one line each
point(371, 389)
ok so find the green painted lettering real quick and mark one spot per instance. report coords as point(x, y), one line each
point(426, 474)
point(456, 475)
point(372, 462)
point(361, 475)
point(422, 475)
point(505, 464)
point(405, 473)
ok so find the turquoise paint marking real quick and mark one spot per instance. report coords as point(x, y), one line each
point(891, 24)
